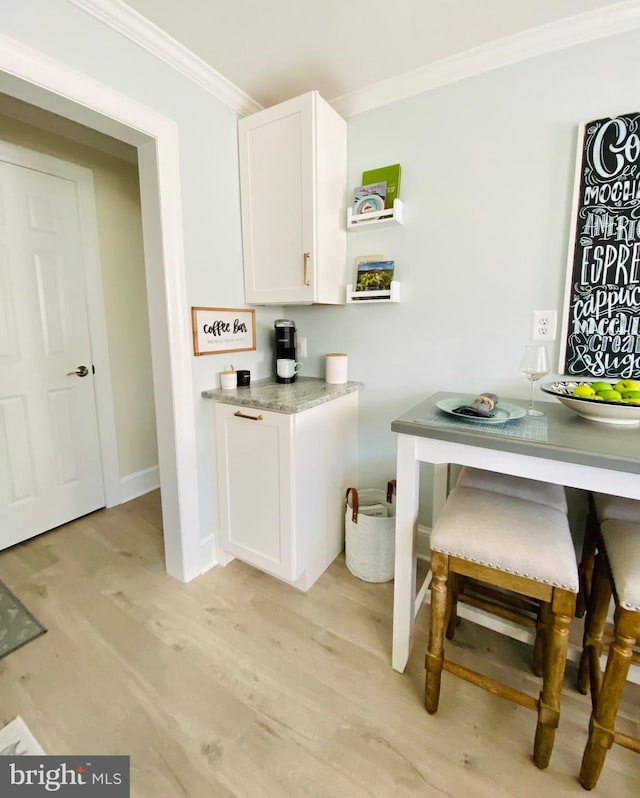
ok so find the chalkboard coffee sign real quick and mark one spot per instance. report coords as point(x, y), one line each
point(601, 329)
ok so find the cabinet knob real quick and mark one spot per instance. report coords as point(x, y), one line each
point(307, 281)
point(243, 415)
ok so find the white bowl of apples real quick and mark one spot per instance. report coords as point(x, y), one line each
point(611, 403)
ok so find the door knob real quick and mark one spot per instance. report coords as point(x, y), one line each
point(81, 371)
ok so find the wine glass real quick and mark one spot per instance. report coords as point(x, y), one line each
point(534, 365)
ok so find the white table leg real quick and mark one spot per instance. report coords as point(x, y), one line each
point(404, 591)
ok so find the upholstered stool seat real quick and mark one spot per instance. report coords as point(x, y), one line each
point(501, 603)
point(616, 508)
point(617, 571)
point(521, 487)
point(515, 544)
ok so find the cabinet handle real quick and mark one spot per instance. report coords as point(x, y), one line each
point(307, 281)
point(243, 415)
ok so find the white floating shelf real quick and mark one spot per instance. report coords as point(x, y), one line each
point(384, 218)
point(369, 297)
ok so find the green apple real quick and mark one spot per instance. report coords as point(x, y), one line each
point(601, 386)
point(610, 396)
point(585, 391)
point(632, 400)
point(631, 394)
point(627, 385)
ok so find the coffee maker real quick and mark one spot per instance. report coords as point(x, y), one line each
point(285, 332)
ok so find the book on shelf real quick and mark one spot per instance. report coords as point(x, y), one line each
point(373, 273)
point(370, 197)
point(388, 174)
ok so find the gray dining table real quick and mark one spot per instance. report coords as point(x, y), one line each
point(559, 447)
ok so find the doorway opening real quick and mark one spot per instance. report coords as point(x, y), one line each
point(41, 81)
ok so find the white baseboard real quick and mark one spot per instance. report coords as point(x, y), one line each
point(139, 483)
point(209, 556)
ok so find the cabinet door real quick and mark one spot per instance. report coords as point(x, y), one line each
point(254, 479)
point(276, 182)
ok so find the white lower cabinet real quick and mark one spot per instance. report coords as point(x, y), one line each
point(282, 478)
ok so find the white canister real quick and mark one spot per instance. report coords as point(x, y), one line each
point(228, 379)
point(336, 368)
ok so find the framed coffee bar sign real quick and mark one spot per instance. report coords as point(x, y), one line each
point(601, 325)
point(218, 330)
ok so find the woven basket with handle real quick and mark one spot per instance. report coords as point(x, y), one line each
point(370, 533)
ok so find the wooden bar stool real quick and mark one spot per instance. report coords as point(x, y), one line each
point(602, 507)
point(617, 572)
point(508, 543)
point(501, 603)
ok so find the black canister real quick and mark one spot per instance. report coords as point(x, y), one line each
point(244, 378)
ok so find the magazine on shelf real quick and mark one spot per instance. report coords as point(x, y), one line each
point(370, 197)
point(373, 273)
point(390, 175)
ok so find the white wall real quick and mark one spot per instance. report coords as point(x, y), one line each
point(487, 178)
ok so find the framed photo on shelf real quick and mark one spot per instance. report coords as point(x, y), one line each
point(218, 330)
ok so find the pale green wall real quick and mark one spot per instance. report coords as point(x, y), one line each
point(119, 224)
point(488, 169)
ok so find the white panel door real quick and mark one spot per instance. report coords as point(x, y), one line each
point(50, 465)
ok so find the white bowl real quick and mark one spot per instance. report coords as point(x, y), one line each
point(594, 409)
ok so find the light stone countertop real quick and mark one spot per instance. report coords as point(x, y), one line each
point(292, 397)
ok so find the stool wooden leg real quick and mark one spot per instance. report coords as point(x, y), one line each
point(435, 651)
point(563, 605)
point(542, 630)
point(602, 723)
point(455, 585)
point(599, 599)
point(587, 559)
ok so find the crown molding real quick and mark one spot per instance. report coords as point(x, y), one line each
point(560, 35)
point(150, 37)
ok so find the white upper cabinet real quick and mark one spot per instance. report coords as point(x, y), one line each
point(293, 168)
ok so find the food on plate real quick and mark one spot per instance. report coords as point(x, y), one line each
point(626, 385)
point(610, 396)
point(601, 386)
point(627, 391)
point(584, 390)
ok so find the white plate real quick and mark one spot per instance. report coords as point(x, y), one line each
point(593, 409)
point(501, 412)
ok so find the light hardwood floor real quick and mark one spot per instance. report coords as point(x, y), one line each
point(238, 685)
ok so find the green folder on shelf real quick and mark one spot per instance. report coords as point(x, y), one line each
point(390, 174)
